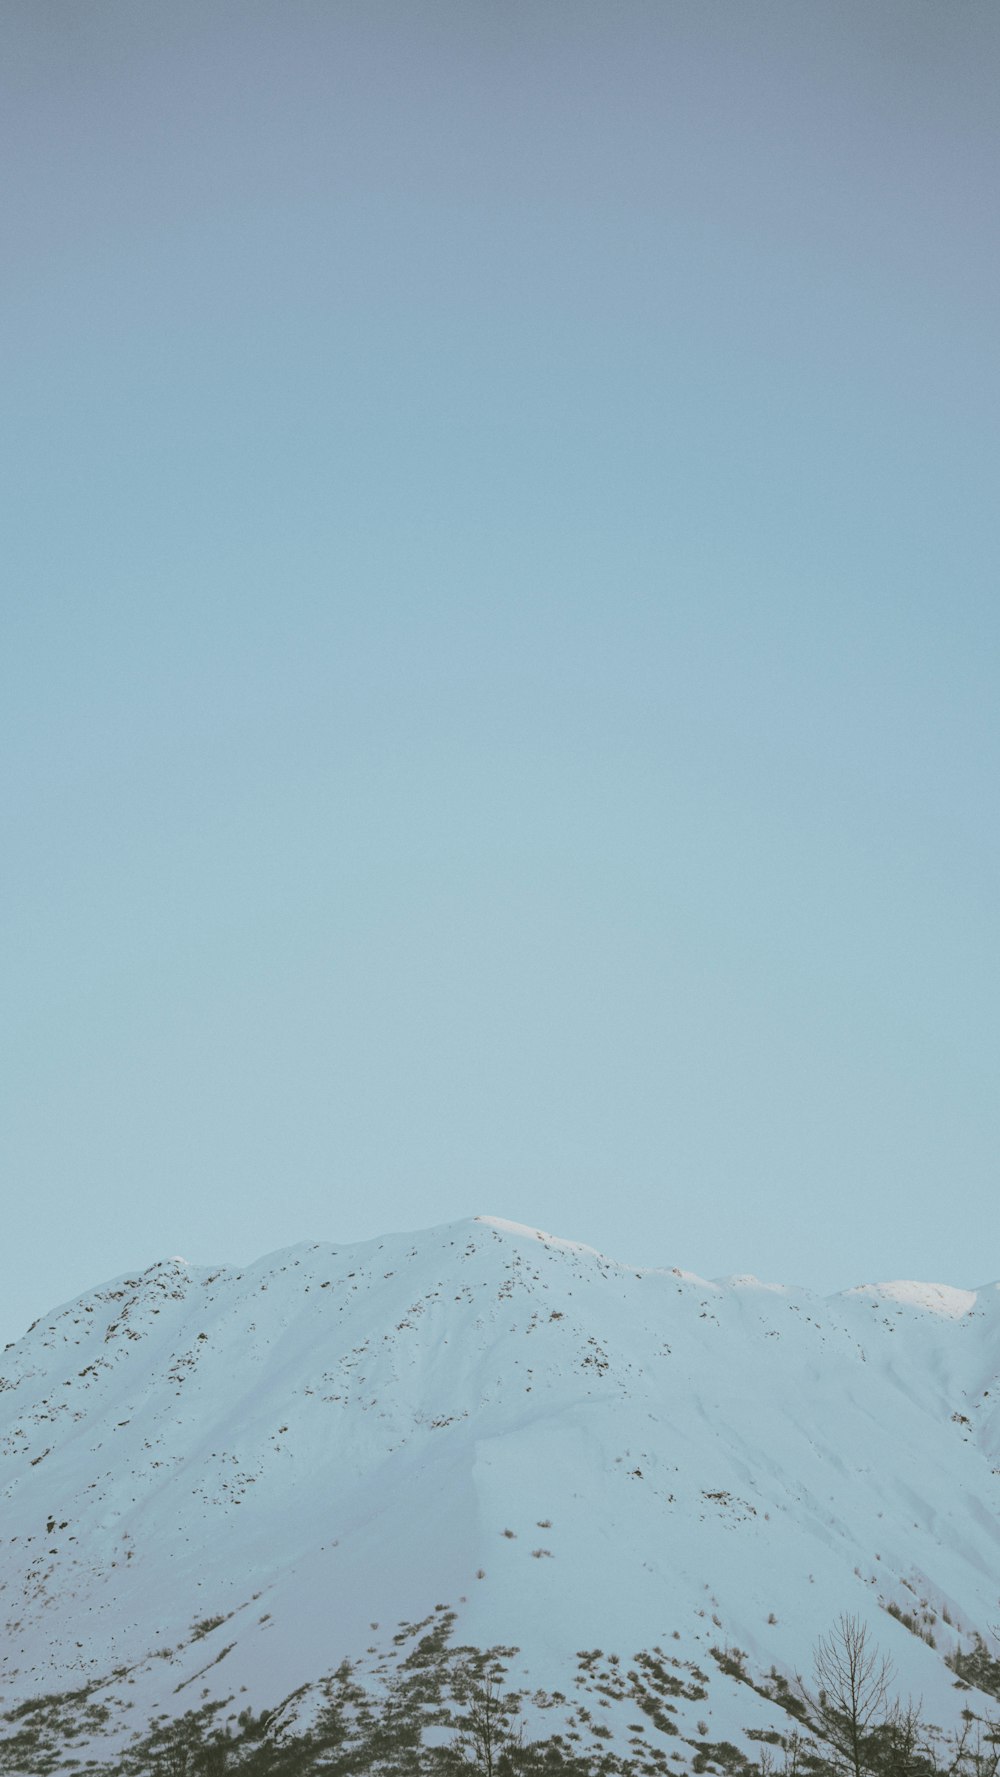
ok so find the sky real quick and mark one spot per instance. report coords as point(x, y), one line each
point(498, 683)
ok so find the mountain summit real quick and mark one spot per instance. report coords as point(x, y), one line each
point(222, 1482)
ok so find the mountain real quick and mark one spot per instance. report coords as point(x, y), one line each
point(218, 1484)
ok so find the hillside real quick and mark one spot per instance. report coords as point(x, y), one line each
point(221, 1483)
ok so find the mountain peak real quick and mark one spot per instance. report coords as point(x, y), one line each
point(520, 1230)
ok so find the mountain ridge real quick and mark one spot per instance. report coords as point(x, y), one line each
point(503, 1225)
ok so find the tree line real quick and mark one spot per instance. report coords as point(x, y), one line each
point(449, 1712)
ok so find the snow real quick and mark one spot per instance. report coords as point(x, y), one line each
point(934, 1298)
point(568, 1451)
point(521, 1230)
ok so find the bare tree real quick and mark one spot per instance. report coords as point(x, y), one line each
point(489, 1740)
point(985, 1755)
point(852, 1681)
point(899, 1744)
point(975, 1750)
point(791, 1764)
point(793, 1751)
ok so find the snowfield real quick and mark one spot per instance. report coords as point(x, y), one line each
point(224, 1481)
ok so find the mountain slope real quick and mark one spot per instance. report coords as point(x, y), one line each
point(568, 1452)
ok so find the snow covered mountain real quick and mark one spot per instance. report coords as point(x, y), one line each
point(219, 1483)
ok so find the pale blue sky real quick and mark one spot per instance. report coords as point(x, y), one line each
point(498, 693)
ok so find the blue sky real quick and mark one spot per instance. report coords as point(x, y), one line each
point(500, 642)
